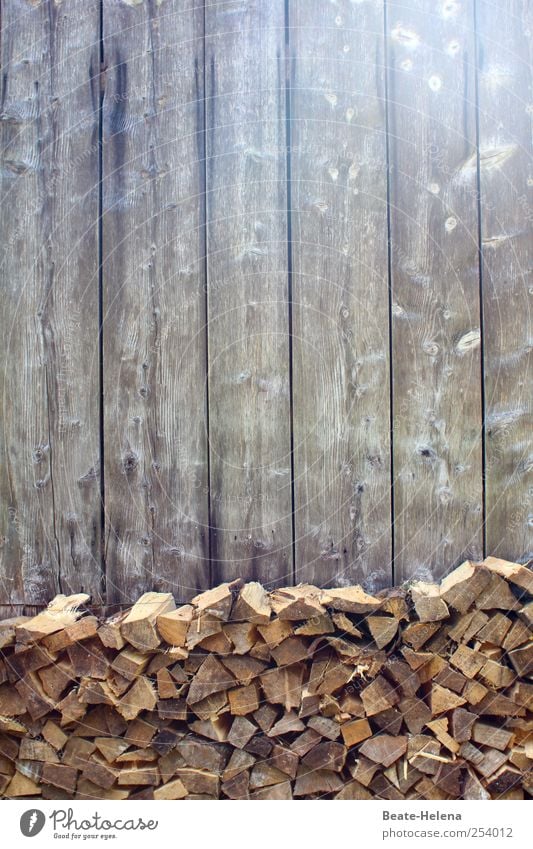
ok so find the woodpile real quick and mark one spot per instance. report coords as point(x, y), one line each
point(423, 692)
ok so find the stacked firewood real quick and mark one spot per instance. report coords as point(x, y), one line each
point(422, 692)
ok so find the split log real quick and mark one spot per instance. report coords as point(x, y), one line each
point(461, 588)
point(429, 605)
point(293, 603)
point(515, 573)
point(384, 748)
point(173, 626)
point(139, 626)
point(350, 600)
point(216, 602)
point(382, 628)
point(61, 612)
point(252, 605)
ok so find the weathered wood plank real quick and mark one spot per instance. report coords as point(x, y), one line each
point(340, 294)
point(49, 477)
point(249, 404)
point(437, 445)
point(154, 300)
point(506, 183)
point(7, 611)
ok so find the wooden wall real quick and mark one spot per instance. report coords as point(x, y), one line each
point(266, 292)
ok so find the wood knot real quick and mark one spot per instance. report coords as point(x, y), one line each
point(89, 477)
point(38, 453)
point(130, 461)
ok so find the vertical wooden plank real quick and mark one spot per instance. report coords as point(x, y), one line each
point(506, 185)
point(154, 299)
point(49, 475)
point(437, 457)
point(340, 293)
point(10, 611)
point(249, 403)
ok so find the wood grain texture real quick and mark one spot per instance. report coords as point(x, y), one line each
point(154, 300)
point(340, 294)
point(8, 611)
point(249, 403)
point(226, 322)
point(505, 58)
point(49, 475)
point(437, 443)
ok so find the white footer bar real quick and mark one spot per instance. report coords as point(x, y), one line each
point(267, 825)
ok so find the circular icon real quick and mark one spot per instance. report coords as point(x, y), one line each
point(32, 822)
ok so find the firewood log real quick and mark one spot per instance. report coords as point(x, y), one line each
point(216, 602)
point(429, 605)
point(417, 693)
point(173, 625)
point(252, 605)
point(139, 626)
point(294, 603)
point(61, 612)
